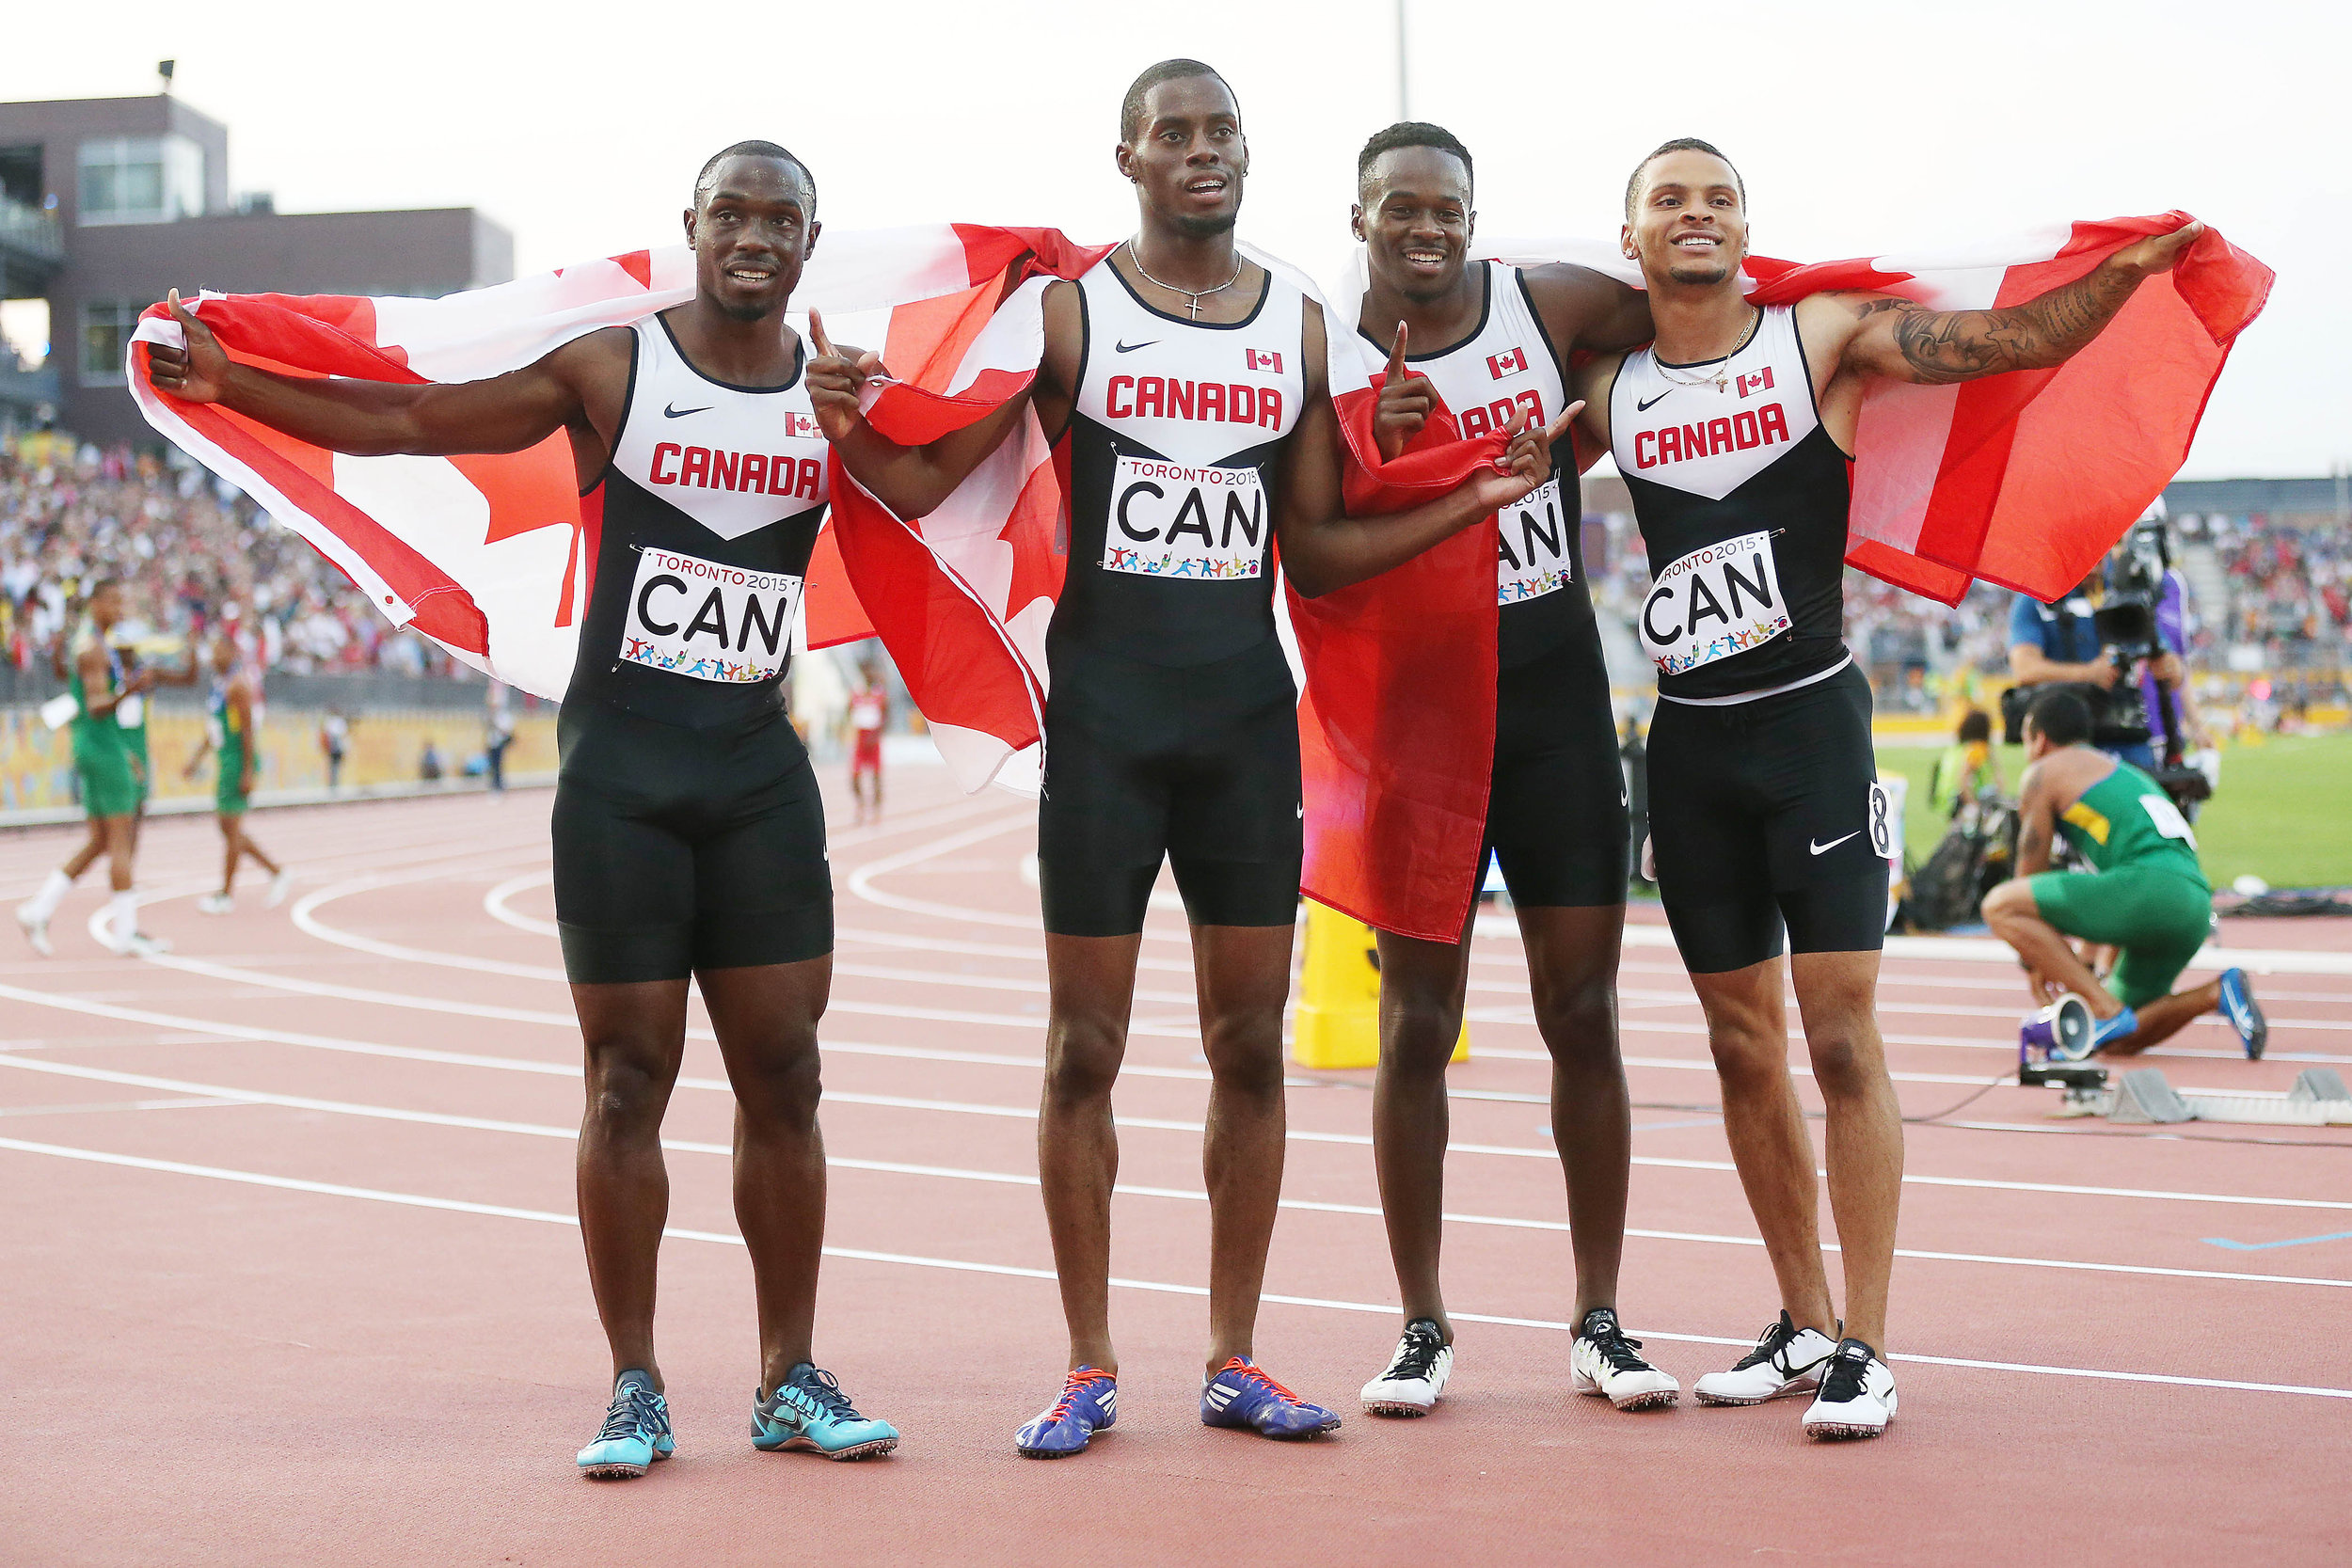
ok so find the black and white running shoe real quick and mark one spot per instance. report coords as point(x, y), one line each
point(1857, 1397)
point(1607, 1363)
point(1416, 1374)
point(1787, 1361)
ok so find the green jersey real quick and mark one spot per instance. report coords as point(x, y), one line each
point(96, 732)
point(2127, 819)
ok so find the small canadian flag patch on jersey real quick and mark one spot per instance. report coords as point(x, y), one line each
point(800, 425)
point(1264, 359)
point(1760, 382)
point(1501, 365)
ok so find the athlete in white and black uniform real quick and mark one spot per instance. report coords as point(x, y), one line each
point(1759, 755)
point(688, 837)
point(1486, 342)
point(1732, 432)
point(1191, 383)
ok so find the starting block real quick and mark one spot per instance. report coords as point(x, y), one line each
point(2143, 1097)
point(1338, 996)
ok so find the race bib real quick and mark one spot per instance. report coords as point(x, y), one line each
point(1532, 545)
point(712, 622)
point(2167, 819)
point(1712, 603)
point(131, 712)
point(1177, 520)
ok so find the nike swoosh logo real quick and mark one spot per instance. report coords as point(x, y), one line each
point(1641, 407)
point(672, 411)
point(1130, 348)
point(1821, 849)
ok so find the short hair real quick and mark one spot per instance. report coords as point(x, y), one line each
point(1681, 144)
point(1412, 132)
point(1975, 725)
point(710, 175)
point(1130, 106)
point(2061, 717)
point(98, 586)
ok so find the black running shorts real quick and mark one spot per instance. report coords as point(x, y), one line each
point(1555, 810)
point(1766, 815)
point(680, 849)
point(1198, 765)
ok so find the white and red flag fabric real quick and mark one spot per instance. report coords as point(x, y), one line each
point(2023, 480)
point(493, 556)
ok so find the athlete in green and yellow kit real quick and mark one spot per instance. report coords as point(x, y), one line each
point(2145, 894)
point(231, 728)
point(112, 775)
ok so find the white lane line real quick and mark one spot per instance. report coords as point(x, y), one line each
point(560, 1069)
point(106, 1105)
point(288, 1183)
point(221, 1094)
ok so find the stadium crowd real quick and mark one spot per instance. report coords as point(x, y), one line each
point(191, 551)
point(192, 554)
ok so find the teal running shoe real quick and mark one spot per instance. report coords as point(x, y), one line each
point(636, 1431)
point(808, 1410)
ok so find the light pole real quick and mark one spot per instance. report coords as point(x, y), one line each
point(1404, 85)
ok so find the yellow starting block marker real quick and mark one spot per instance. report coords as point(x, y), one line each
point(1338, 996)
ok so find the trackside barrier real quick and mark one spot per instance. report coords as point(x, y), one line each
point(1338, 996)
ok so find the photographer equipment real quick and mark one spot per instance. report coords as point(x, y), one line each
point(2126, 621)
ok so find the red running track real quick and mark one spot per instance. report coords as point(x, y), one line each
point(289, 1273)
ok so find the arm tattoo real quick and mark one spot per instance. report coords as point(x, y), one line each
point(1942, 346)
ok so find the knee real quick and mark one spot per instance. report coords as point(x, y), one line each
point(782, 1089)
point(1749, 1061)
point(1081, 1060)
point(1844, 1064)
point(2005, 903)
point(626, 1096)
point(1578, 1021)
point(1250, 1066)
point(1418, 1029)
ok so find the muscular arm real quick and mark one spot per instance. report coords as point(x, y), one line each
point(240, 703)
point(1323, 548)
point(914, 480)
point(2037, 820)
point(1588, 311)
point(1905, 341)
point(505, 413)
point(2032, 666)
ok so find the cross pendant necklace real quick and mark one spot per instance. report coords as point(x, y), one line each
point(1192, 299)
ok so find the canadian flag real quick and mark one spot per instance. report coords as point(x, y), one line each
point(1269, 360)
point(1501, 365)
point(1760, 382)
point(2023, 480)
point(492, 557)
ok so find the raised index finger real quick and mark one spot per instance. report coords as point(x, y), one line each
point(817, 335)
point(1396, 355)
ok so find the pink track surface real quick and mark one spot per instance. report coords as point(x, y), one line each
point(390, 1357)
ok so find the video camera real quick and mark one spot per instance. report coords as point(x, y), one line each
point(2126, 623)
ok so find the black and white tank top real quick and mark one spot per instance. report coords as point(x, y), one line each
point(1741, 498)
point(1173, 444)
point(702, 527)
point(1508, 366)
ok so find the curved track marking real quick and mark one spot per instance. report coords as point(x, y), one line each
point(221, 1094)
point(420, 1053)
point(544, 1216)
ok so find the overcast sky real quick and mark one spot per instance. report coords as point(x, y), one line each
point(1860, 128)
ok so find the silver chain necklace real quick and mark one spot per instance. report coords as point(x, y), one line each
point(1721, 377)
point(1192, 299)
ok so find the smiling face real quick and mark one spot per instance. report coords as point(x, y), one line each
point(1688, 223)
point(751, 234)
point(1189, 159)
point(1414, 214)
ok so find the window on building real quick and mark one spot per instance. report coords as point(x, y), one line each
point(141, 180)
point(106, 328)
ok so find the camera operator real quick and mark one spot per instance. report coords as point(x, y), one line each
point(2122, 658)
point(2142, 890)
